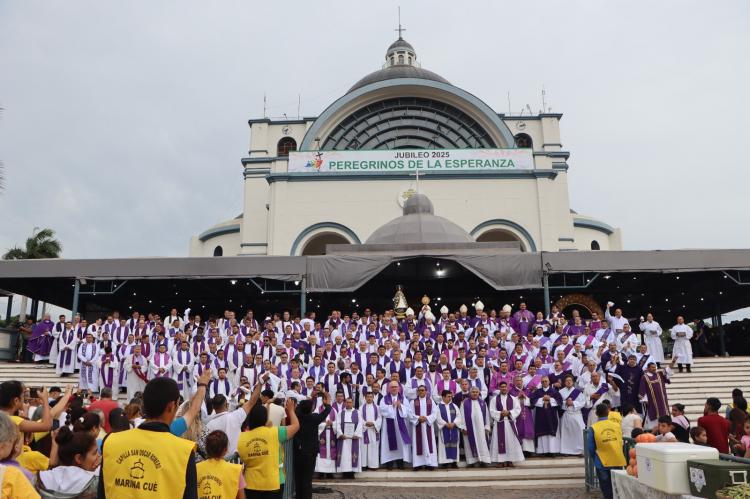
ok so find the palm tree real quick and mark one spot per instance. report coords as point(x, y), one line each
point(41, 244)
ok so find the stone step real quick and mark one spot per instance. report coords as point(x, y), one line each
point(506, 484)
point(475, 474)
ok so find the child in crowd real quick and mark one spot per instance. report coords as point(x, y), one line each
point(698, 435)
point(665, 430)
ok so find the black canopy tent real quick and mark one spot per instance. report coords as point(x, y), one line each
point(703, 283)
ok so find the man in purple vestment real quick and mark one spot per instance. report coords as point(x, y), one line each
point(653, 390)
point(40, 342)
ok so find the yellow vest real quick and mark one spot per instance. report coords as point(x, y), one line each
point(615, 416)
point(144, 464)
point(259, 450)
point(608, 438)
point(218, 479)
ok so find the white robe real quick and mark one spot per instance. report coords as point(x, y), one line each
point(184, 368)
point(652, 337)
point(88, 376)
point(427, 458)
point(547, 444)
point(135, 383)
point(439, 425)
point(481, 427)
point(570, 429)
point(115, 366)
point(55, 338)
point(682, 349)
point(513, 450)
point(344, 418)
point(402, 450)
point(369, 454)
point(64, 346)
point(327, 464)
point(161, 365)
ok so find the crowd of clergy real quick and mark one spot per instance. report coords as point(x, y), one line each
point(467, 388)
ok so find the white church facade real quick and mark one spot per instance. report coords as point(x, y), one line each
point(338, 177)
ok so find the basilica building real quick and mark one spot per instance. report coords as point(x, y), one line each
point(342, 177)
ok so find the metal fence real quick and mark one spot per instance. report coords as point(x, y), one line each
point(591, 481)
point(287, 449)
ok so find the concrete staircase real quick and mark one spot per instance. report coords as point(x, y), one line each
point(565, 472)
point(711, 377)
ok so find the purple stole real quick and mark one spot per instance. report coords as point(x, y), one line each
point(327, 382)
point(123, 350)
point(450, 436)
point(326, 451)
point(426, 384)
point(451, 386)
point(418, 430)
point(366, 429)
point(500, 425)
point(199, 347)
point(390, 425)
point(567, 349)
point(355, 442)
point(182, 375)
point(88, 357)
point(534, 382)
point(244, 371)
point(146, 349)
point(159, 361)
point(107, 371)
point(121, 335)
point(525, 420)
point(589, 339)
point(202, 367)
point(216, 386)
point(466, 410)
point(65, 356)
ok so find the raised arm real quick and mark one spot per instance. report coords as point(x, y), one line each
point(198, 398)
point(293, 427)
point(256, 393)
point(45, 424)
point(62, 403)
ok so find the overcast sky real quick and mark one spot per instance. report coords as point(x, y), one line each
point(125, 122)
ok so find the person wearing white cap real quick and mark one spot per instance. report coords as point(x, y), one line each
point(479, 308)
point(443, 316)
point(463, 318)
point(428, 322)
point(409, 319)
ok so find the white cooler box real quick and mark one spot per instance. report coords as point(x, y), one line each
point(663, 466)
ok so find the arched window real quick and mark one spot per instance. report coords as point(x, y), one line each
point(595, 245)
point(400, 58)
point(499, 235)
point(285, 146)
point(317, 244)
point(524, 141)
point(218, 251)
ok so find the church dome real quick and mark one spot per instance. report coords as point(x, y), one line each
point(419, 225)
point(393, 72)
point(400, 62)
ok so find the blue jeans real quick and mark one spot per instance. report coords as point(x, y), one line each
point(605, 482)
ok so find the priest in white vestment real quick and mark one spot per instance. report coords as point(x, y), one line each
point(422, 418)
point(475, 425)
point(570, 430)
point(395, 441)
point(682, 350)
point(370, 446)
point(136, 365)
point(505, 447)
point(349, 426)
point(652, 338)
point(447, 421)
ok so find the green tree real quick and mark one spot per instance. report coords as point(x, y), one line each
point(41, 244)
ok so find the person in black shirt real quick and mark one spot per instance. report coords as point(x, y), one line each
point(307, 443)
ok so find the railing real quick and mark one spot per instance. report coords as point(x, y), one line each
point(729, 457)
point(591, 481)
point(287, 449)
